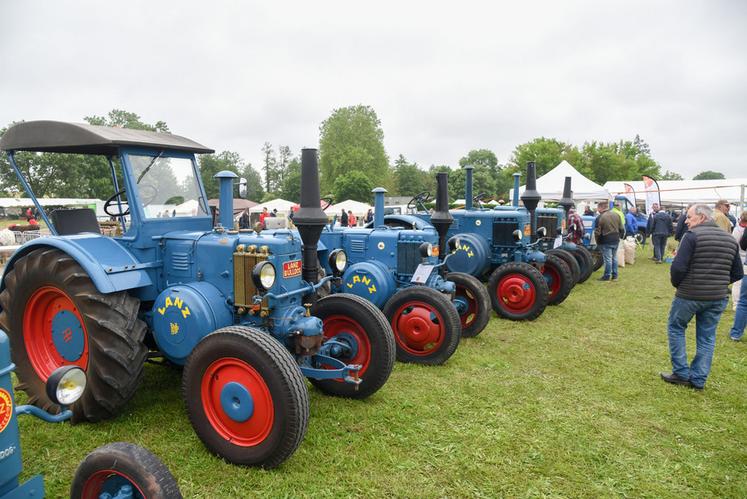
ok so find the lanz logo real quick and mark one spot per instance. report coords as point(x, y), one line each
point(6, 409)
point(291, 269)
point(366, 281)
point(7, 452)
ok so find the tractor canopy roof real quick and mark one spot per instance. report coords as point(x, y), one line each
point(80, 138)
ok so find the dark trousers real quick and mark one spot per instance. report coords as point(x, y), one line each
point(660, 245)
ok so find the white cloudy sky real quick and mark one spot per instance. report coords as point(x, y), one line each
point(444, 78)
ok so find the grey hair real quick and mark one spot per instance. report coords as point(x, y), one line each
point(703, 210)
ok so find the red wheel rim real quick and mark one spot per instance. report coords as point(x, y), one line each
point(469, 316)
point(41, 309)
point(340, 325)
point(516, 293)
point(95, 484)
point(254, 430)
point(418, 328)
point(552, 276)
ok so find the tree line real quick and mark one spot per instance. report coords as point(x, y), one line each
point(352, 161)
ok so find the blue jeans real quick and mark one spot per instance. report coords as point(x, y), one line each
point(740, 319)
point(660, 246)
point(609, 253)
point(707, 314)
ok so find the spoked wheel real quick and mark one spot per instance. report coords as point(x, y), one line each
point(472, 303)
point(559, 279)
point(425, 324)
point(361, 335)
point(569, 260)
point(518, 291)
point(55, 316)
point(123, 470)
point(246, 397)
point(597, 260)
point(583, 256)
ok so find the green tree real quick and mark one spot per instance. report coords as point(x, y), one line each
point(354, 185)
point(408, 178)
point(667, 175)
point(546, 154)
point(291, 189)
point(254, 191)
point(352, 139)
point(709, 175)
point(126, 119)
point(269, 167)
point(210, 164)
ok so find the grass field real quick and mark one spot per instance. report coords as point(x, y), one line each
point(570, 405)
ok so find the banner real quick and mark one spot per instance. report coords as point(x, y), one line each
point(652, 192)
point(630, 193)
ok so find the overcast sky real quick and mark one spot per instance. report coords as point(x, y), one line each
point(444, 78)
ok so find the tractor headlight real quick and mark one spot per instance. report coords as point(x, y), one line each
point(517, 235)
point(452, 244)
point(338, 260)
point(264, 275)
point(427, 249)
point(542, 232)
point(66, 385)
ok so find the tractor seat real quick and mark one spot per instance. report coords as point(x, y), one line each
point(75, 221)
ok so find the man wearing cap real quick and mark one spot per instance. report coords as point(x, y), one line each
point(720, 215)
point(608, 232)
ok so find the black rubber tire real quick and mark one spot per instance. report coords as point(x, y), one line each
point(452, 329)
point(583, 256)
point(597, 261)
point(475, 292)
point(116, 350)
point(641, 237)
point(280, 373)
point(142, 468)
point(538, 282)
point(374, 325)
point(569, 260)
point(556, 265)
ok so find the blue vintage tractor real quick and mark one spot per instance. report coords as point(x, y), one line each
point(237, 309)
point(115, 471)
point(399, 271)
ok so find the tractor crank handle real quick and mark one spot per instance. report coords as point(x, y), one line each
point(306, 288)
point(64, 414)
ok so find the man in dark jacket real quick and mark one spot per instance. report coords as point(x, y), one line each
point(659, 228)
point(681, 225)
point(740, 318)
point(707, 262)
point(608, 232)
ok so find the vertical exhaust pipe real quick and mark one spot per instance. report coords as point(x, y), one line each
point(441, 218)
point(468, 187)
point(309, 218)
point(378, 206)
point(567, 200)
point(531, 197)
point(225, 203)
point(515, 201)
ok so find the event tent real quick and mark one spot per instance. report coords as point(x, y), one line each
point(359, 209)
point(683, 192)
point(550, 185)
point(239, 204)
point(281, 205)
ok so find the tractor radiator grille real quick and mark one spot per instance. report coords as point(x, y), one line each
point(243, 285)
point(550, 223)
point(503, 232)
point(180, 261)
point(408, 257)
point(357, 246)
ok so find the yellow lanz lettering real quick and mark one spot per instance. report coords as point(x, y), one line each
point(356, 279)
point(185, 312)
point(372, 289)
point(174, 302)
point(366, 280)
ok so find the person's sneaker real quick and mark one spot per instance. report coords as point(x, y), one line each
point(614, 278)
point(658, 261)
point(603, 279)
point(699, 388)
point(674, 379)
point(732, 338)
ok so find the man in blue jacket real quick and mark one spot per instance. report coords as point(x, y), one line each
point(631, 224)
point(659, 227)
point(707, 262)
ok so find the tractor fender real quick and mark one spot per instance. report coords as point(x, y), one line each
point(110, 266)
point(472, 254)
point(370, 280)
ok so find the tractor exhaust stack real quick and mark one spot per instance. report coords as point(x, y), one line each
point(441, 218)
point(225, 204)
point(309, 219)
point(531, 197)
point(468, 187)
point(378, 206)
point(567, 200)
point(515, 201)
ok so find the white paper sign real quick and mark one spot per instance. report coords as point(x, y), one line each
point(558, 242)
point(422, 273)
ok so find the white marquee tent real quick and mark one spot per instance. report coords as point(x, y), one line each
point(281, 205)
point(359, 209)
point(683, 192)
point(550, 185)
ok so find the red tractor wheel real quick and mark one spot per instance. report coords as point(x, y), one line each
point(362, 336)
point(246, 397)
point(559, 279)
point(425, 323)
point(472, 302)
point(55, 316)
point(518, 291)
point(123, 470)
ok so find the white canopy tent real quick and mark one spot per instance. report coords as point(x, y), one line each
point(550, 185)
point(284, 207)
point(359, 209)
point(684, 192)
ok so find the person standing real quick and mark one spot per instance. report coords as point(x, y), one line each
point(740, 319)
point(369, 216)
point(262, 217)
point(681, 228)
point(738, 233)
point(719, 215)
point(575, 226)
point(343, 218)
point(245, 221)
point(607, 233)
point(707, 261)
point(660, 227)
point(352, 221)
point(631, 224)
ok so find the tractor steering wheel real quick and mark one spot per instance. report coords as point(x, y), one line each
point(148, 193)
point(121, 204)
point(478, 199)
point(329, 200)
point(417, 203)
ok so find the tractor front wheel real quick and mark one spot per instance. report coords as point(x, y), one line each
point(472, 302)
point(518, 291)
point(569, 260)
point(425, 323)
point(55, 316)
point(246, 397)
point(363, 336)
point(121, 469)
point(559, 279)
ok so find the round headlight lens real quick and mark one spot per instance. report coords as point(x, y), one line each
point(340, 260)
point(426, 249)
point(267, 275)
point(66, 385)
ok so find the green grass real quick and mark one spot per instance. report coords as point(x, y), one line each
point(568, 405)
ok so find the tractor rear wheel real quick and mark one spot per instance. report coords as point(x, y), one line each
point(559, 279)
point(108, 470)
point(597, 261)
point(246, 397)
point(518, 291)
point(55, 316)
point(583, 256)
point(569, 260)
point(367, 339)
point(472, 302)
point(425, 324)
